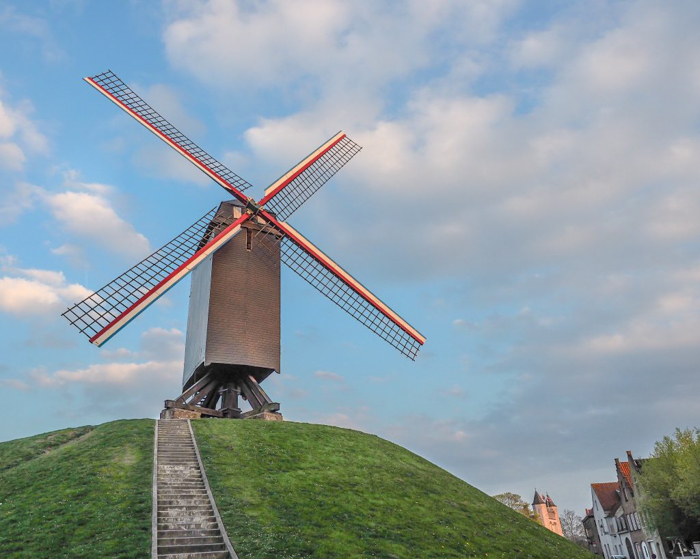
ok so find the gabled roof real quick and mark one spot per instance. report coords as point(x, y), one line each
point(608, 494)
point(538, 500)
point(625, 471)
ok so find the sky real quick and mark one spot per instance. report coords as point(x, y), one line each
point(526, 197)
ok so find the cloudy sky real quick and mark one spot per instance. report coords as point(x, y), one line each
point(527, 197)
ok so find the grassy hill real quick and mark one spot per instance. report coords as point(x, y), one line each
point(285, 491)
point(293, 491)
point(78, 493)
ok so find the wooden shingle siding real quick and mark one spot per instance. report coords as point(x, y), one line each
point(244, 308)
point(234, 312)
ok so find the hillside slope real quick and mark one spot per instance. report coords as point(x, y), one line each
point(285, 491)
point(293, 491)
point(78, 493)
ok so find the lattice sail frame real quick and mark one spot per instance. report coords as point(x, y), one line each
point(117, 91)
point(106, 311)
point(97, 311)
point(317, 172)
point(319, 274)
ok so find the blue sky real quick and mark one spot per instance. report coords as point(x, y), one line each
point(526, 197)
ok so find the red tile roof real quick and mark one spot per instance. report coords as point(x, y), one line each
point(608, 494)
point(625, 469)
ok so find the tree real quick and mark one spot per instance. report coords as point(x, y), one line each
point(670, 486)
point(572, 526)
point(515, 502)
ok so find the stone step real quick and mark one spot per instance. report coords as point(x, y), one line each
point(163, 494)
point(184, 501)
point(177, 452)
point(189, 533)
point(199, 520)
point(185, 508)
point(186, 524)
point(180, 485)
point(190, 540)
point(194, 548)
point(204, 555)
point(172, 511)
point(170, 524)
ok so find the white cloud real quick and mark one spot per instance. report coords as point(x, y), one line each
point(16, 384)
point(539, 48)
point(11, 156)
point(106, 374)
point(92, 217)
point(131, 384)
point(329, 43)
point(19, 200)
point(18, 133)
point(73, 253)
point(566, 188)
point(455, 392)
point(33, 28)
point(85, 209)
point(39, 293)
point(329, 375)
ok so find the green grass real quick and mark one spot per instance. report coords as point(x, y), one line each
point(78, 493)
point(293, 491)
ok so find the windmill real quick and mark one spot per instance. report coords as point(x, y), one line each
point(234, 251)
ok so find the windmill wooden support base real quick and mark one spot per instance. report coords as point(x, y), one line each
point(217, 394)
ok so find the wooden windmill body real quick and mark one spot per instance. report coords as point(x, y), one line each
point(233, 324)
point(234, 253)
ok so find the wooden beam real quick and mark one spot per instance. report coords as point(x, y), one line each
point(254, 398)
point(213, 397)
point(204, 392)
point(196, 387)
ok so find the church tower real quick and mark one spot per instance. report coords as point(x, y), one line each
point(547, 513)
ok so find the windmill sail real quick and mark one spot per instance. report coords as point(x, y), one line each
point(296, 186)
point(125, 98)
point(302, 257)
point(102, 314)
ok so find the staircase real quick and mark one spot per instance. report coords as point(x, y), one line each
point(185, 518)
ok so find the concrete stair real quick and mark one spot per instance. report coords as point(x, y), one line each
point(185, 518)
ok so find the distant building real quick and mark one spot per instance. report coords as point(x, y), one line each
point(547, 513)
point(629, 525)
point(650, 542)
point(592, 538)
point(606, 509)
point(613, 525)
